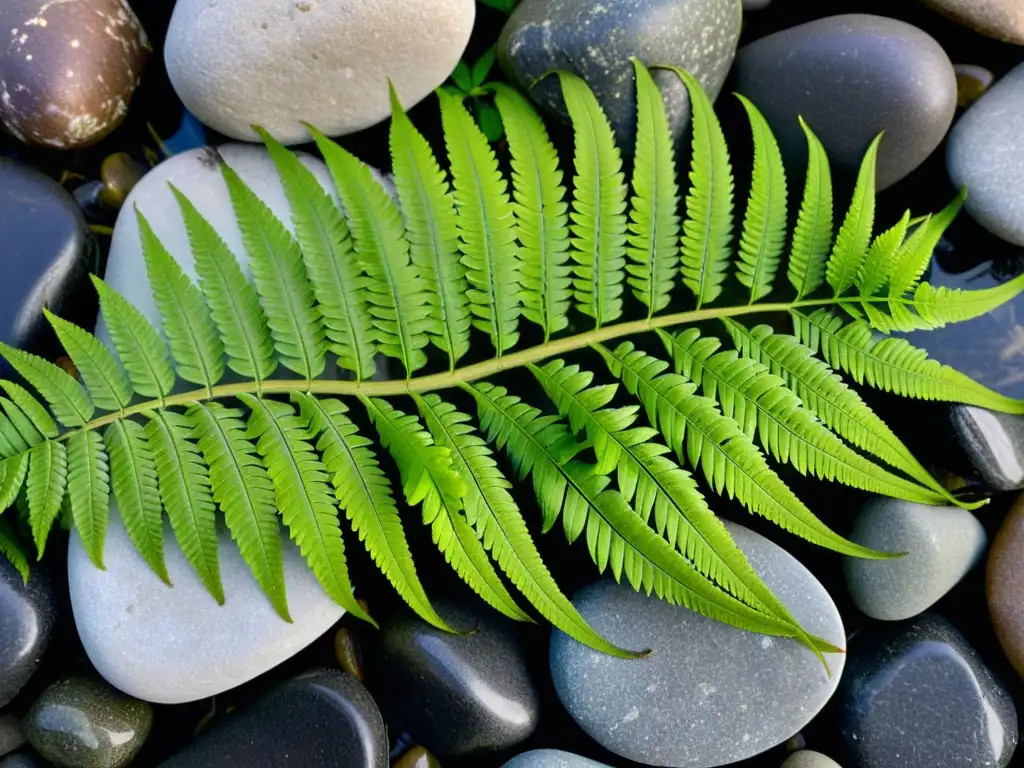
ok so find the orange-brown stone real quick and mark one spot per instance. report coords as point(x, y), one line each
point(1004, 585)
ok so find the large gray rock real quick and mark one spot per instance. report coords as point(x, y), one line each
point(325, 62)
point(850, 77)
point(596, 40)
point(551, 758)
point(709, 694)
point(985, 153)
point(942, 545)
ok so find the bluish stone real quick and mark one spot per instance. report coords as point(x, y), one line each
point(551, 758)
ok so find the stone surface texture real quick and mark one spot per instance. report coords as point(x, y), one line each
point(807, 758)
point(993, 443)
point(745, 692)
point(942, 545)
point(27, 618)
point(1001, 19)
point(551, 758)
point(325, 62)
point(1004, 585)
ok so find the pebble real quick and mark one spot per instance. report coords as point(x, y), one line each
point(81, 722)
point(807, 758)
point(1001, 19)
point(596, 41)
point(985, 154)
point(326, 62)
point(971, 82)
point(119, 173)
point(69, 69)
point(46, 258)
point(992, 443)
point(348, 654)
point(11, 735)
point(850, 77)
point(321, 718)
point(1004, 585)
point(942, 545)
point(455, 694)
point(417, 757)
point(19, 760)
point(744, 692)
point(551, 758)
point(27, 618)
point(916, 693)
point(174, 644)
point(755, 5)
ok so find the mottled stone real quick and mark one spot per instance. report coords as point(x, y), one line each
point(744, 692)
point(551, 758)
point(807, 758)
point(1001, 19)
point(596, 41)
point(322, 719)
point(993, 443)
point(27, 616)
point(916, 694)
point(417, 757)
point(455, 694)
point(81, 722)
point(942, 545)
point(971, 82)
point(325, 62)
point(851, 77)
point(1004, 585)
point(984, 153)
point(68, 69)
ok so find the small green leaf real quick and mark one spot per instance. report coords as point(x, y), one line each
point(89, 491)
point(482, 67)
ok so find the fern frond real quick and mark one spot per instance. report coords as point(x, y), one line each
point(913, 258)
point(874, 272)
point(854, 236)
point(541, 213)
point(808, 256)
point(65, 396)
point(653, 217)
point(89, 491)
point(40, 424)
point(14, 470)
point(486, 226)
point(104, 379)
point(940, 306)
point(10, 547)
point(764, 223)
point(18, 427)
point(45, 488)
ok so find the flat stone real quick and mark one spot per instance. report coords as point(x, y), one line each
point(81, 722)
point(551, 758)
point(807, 758)
point(322, 719)
point(916, 693)
point(984, 153)
point(709, 694)
point(850, 77)
point(942, 545)
point(1001, 19)
point(325, 62)
point(27, 617)
point(596, 41)
point(1004, 585)
point(993, 444)
point(455, 694)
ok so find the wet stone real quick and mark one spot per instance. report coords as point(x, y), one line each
point(1004, 585)
point(992, 443)
point(27, 617)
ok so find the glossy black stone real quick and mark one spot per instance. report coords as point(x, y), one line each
point(27, 616)
point(455, 694)
point(916, 694)
point(322, 719)
point(992, 443)
point(45, 258)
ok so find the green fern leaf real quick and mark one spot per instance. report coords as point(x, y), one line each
point(183, 482)
point(598, 206)
point(14, 471)
point(11, 548)
point(486, 226)
point(653, 217)
point(303, 495)
point(282, 283)
point(18, 425)
point(854, 236)
point(42, 424)
point(540, 211)
point(396, 295)
point(89, 491)
point(45, 488)
point(133, 477)
point(707, 230)
point(104, 379)
point(10, 438)
point(913, 258)
point(764, 223)
point(939, 306)
point(693, 426)
point(874, 273)
point(364, 493)
point(233, 302)
point(813, 234)
point(244, 492)
point(64, 395)
point(432, 227)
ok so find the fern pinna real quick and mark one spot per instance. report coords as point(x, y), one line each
point(535, 266)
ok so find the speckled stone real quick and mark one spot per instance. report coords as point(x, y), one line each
point(417, 757)
point(744, 692)
point(81, 722)
point(916, 694)
point(993, 444)
point(984, 152)
point(942, 545)
point(322, 719)
point(596, 41)
point(850, 77)
point(68, 69)
point(1004, 585)
point(1001, 19)
point(551, 758)
point(455, 694)
point(807, 758)
point(27, 616)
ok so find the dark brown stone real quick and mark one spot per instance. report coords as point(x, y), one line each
point(1004, 585)
point(68, 68)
